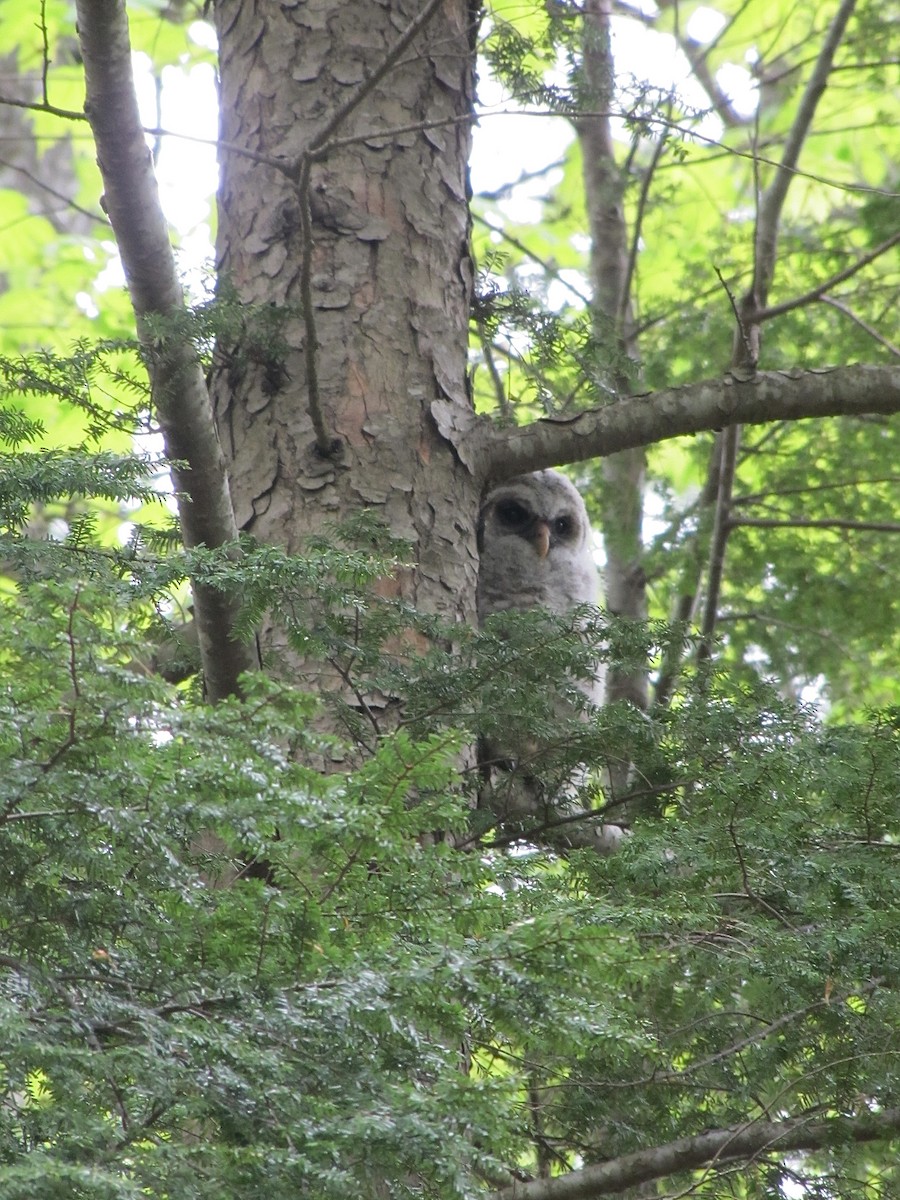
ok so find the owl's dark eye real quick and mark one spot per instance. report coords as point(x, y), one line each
point(564, 527)
point(513, 514)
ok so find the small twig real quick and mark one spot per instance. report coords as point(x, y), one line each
point(643, 197)
point(36, 815)
point(753, 1039)
point(45, 63)
point(818, 292)
point(347, 679)
point(810, 523)
point(864, 325)
point(395, 131)
point(63, 199)
point(545, 266)
point(671, 664)
point(506, 189)
point(70, 637)
point(693, 135)
point(490, 362)
point(749, 892)
point(679, 306)
point(759, 497)
point(742, 329)
point(327, 445)
point(263, 939)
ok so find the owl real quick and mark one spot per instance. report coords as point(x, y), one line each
point(536, 548)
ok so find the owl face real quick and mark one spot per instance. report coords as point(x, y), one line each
point(535, 545)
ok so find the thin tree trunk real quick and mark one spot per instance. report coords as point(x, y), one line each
point(179, 390)
point(624, 472)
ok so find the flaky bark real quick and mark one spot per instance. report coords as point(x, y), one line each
point(179, 391)
point(363, 239)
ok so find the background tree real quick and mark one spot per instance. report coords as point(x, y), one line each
point(385, 1010)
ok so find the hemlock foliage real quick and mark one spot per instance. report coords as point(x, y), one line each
point(382, 1006)
point(272, 947)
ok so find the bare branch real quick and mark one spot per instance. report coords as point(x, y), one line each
point(864, 325)
point(747, 337)
point(718, 1146)
point(773, 200)
point(818, 292)
point(42, 186)
point(637, 232)
point(815, 523)
point(179, 390)
point(546, 267)
point(325, 443)
point(318, 147)
point(741, 327)
point(674, 412)
point(45, 53)
point(487, 352)
point(39, 106)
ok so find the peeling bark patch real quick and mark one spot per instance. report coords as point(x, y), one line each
point(389, 232)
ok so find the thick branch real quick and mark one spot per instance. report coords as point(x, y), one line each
point(694, 408)
point(719, 1146)
point(179, 390)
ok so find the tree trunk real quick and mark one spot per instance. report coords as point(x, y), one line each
point(623, 473)
point(345, 136)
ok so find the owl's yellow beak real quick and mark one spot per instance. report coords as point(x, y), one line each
point(542, 538)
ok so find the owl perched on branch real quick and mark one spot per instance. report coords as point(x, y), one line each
point(536, 549)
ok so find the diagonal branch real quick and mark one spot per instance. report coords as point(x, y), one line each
point(337, 118)
point(773, 200)
point(179, 390)
point(873, 333)
point(818, 292)
point(717, 1147)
